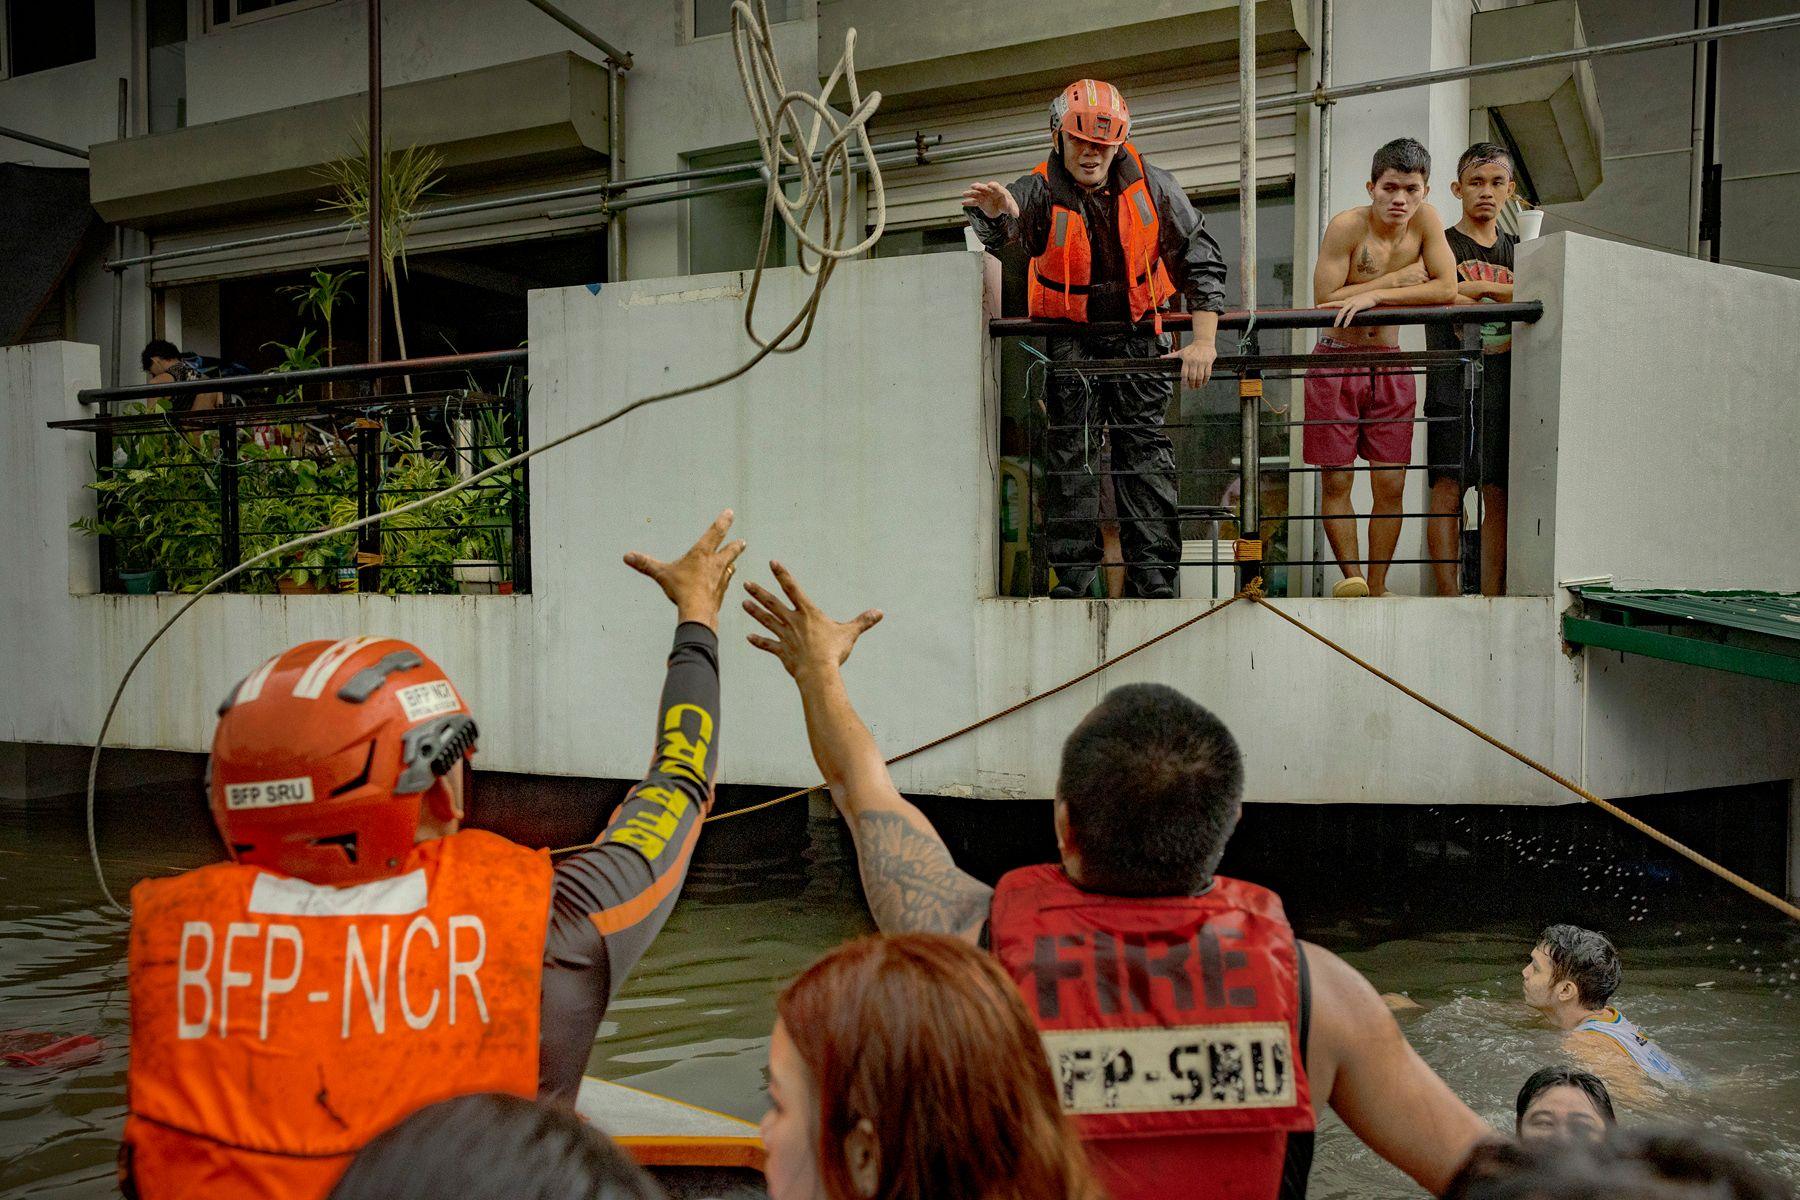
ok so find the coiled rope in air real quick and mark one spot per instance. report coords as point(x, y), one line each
point(818, 216)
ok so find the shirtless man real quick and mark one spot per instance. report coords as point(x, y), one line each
point(1391, 251)
point(1132, 949)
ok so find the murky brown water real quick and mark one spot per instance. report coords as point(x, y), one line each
point(694, 1020)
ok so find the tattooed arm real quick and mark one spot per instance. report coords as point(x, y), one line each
point(912, 883)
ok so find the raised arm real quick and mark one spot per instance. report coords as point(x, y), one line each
point(912, 883)
point(610, 900)
point(1378, 1084)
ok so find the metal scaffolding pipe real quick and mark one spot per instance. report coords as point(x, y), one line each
point(377, 160)
point(910, 147)
point(1249, 382)
point(287, 380)
point(46, 143)
point(615, 166)
point(619, 58)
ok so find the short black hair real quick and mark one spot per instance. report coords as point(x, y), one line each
point(1545, 1078)
point(1152, 784)
point(1584, 957)
point(158, 348)
point(1631, 1164)
point(1404, 155)
point(1485, 152)
point(493, 1147)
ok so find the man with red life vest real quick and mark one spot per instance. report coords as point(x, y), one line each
point(1195, 1037)
point(1111, 238)
point(363, 955)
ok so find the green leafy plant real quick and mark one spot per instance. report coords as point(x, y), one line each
point(406, 178)
point(161, 508)
point(320, 297)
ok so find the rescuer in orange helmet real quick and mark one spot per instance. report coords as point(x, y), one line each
point(363, 955)
point(1111, 239)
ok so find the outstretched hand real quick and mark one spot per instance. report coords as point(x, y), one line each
point(991, 198)
point(805, 638)
point(696, 582)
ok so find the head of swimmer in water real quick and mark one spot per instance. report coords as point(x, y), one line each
point(1571, 973)
point(1563, 1104)
point(1150, 790)
point(907, 1067)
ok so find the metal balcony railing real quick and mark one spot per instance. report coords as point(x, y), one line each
point(185, 493)
point(1258, 541)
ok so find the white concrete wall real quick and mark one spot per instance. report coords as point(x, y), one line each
point(1654, 421)
point(865, 462)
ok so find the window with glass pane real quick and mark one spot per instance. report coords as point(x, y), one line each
point(226, 11)
point(714, 16)
point(724, 229)
point(41, 36)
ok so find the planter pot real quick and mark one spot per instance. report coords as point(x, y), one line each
point(288, 587)
point(138, 583)
point(476, 576)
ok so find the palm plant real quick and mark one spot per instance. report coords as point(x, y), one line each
point(406, 177)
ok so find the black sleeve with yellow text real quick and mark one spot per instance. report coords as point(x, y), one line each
point(610, 900)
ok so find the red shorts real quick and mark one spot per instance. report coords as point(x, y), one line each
point(1384, 400)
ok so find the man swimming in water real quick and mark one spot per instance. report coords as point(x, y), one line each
point(1571, 975)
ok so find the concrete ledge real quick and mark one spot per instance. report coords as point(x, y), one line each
point(531, 113)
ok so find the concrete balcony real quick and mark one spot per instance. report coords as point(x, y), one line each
point(937, 50)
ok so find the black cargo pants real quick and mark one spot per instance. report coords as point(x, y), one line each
point(1128, 413)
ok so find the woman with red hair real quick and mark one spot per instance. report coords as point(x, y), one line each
point(906, 1068)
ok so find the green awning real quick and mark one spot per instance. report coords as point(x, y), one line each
point(1749, 633)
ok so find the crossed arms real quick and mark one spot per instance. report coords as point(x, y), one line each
point(1430, 280)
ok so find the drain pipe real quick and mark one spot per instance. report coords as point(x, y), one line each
point(615, 169)
point(1697, 140)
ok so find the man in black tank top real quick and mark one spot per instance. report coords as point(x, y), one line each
point(1462, 454)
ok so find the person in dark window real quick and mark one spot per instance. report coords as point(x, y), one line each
point(1111, 238)
point(363, 954)
point(164, 362)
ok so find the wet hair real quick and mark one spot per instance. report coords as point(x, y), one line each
point(1152, 785)
point(928, 1040)
point(158, 348)
point(1485, 152)
point(1584, 957)
point(1631, 1164)
point(493, 1147)
point(1545, 1078)
point(1404, 155)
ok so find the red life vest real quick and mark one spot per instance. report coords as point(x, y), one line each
point(1173, 1026)
point(1063, 275)
point(277, 1025)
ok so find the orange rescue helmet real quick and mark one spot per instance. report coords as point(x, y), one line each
point(324, 754)
point(1093, 110)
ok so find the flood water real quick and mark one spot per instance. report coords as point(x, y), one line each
point(1712, 978)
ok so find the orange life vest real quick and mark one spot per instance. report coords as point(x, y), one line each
point(1062, 276)
point(1173, 1027)
point(277, 1025)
